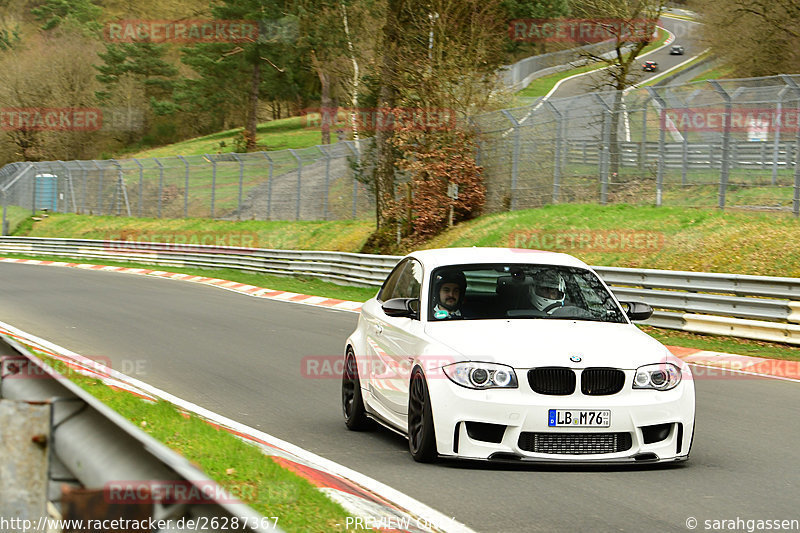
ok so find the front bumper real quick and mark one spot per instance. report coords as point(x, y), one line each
point(512, 424)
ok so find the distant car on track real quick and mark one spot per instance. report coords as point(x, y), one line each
point(503, 354)
point(649, 66)
point(676, 50)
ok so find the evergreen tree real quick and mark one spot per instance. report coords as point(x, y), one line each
point(82, 14)
point(233, 76)
point(145, 63)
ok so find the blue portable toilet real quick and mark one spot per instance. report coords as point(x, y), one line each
point(47, 192)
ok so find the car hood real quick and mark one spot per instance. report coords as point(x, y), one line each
point(526, 343)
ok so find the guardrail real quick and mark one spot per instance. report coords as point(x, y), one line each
point(67, 439)
point(753, 307)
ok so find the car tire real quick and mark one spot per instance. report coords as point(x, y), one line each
point(355, 415)
point(421, 434)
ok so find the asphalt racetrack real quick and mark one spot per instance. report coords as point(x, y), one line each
point(241, 357)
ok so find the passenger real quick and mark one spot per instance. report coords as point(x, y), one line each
point(547, 292)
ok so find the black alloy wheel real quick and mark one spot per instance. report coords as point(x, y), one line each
point(421, 435)
point(355, 416)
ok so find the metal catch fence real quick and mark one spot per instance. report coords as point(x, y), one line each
point(726, 144)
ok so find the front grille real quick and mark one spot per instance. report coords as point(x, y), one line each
point(552, 380)
point(575, 443)
point(602, 381)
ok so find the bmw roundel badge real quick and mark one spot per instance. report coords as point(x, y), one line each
point(575, 358)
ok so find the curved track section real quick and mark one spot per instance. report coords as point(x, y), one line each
point(685, 33)
point(242, 357)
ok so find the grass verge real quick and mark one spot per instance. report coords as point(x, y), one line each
point(339, 235)
point(292, 132)
point(241, 468)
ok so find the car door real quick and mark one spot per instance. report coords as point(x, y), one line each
point(397, 340)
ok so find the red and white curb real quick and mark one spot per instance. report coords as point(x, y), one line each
point(242, 288)
point(718, 365)
point(377, 505)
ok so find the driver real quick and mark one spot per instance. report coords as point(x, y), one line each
point(547, 292)
point(448, 289)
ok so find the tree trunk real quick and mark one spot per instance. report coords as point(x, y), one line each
point(387, 99)
point(613, 141)
point(356, 77)
point(327, 113)
point(252, 108)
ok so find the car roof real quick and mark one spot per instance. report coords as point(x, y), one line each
point(477, 255)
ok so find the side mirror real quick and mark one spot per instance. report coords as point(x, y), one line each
point(637, 310)
point(402, 307)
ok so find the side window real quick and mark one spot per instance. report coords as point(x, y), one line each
point(389, 286)
point(410, 281)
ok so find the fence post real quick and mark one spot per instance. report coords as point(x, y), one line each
point(685, 164)
point(185, 187)
point(299, 178)
point(5, 208)
point(643, 144)
point(777, 143)
point(33, 198)
point(327, 181)
point(101, 172)
point(69, 183)
point(269, 184)
point(241, 184)
point(558, 149)
point(355, 181)
point(213, 162)
point(605, 149)
point(85, 186)
point(141, 185)
point(117, 191)
point(796, 201)
point(160, 184)
point(514, 159)
point(726, 140)
point(662, 106)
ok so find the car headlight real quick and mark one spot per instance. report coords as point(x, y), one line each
point(661, 376)
point(481, 376)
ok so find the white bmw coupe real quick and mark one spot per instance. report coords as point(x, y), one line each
point(504, 354)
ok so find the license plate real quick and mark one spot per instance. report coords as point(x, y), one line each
point(579, 419)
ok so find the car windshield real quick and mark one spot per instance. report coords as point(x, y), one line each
point(520, 291)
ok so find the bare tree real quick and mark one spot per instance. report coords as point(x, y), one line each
point(631, 24)
point(49, 72)
point(752, 37)
point(439, 57)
